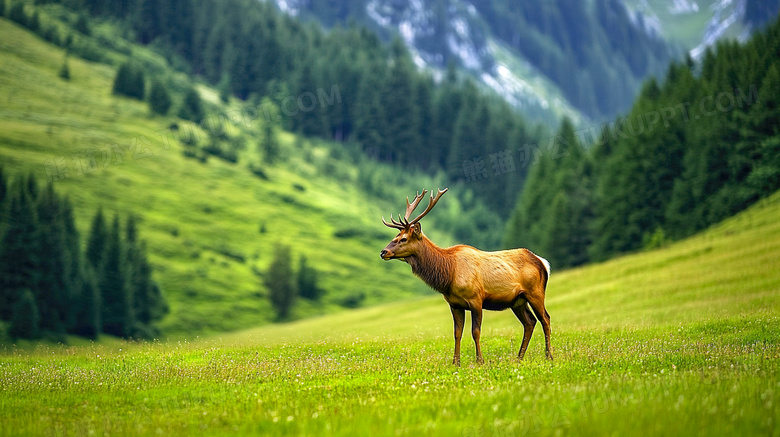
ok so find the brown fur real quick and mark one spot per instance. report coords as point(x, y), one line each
point(473, 280)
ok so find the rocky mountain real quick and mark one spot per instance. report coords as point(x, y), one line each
point(583, 60)
point(696, 25)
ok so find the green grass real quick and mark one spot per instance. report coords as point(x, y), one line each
point(684, 340)
point(201, 222)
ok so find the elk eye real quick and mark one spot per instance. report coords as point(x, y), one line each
point(403, 240)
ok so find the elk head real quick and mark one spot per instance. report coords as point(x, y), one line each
point(410, 235)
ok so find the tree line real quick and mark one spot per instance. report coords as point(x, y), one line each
point(696, 148)
point(49, 286)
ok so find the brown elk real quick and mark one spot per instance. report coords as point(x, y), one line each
point(473, 280)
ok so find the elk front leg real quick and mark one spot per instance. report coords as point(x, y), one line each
point(476, 327)
point(458, 318)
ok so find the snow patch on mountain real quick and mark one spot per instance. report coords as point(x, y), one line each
point(726, 14)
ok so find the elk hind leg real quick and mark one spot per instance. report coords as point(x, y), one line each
point(536, 301)
point(526, 317)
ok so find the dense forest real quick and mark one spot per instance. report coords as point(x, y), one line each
point(49, 286)
point(697, 147)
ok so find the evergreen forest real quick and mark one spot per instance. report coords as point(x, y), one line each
point(697, 146)
point(51, 284)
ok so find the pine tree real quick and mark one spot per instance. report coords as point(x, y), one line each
point(269, 143)
point(149, 17)
point(25, 319)
point(148, 304)
point(97, 242)
point(401, 113)
point(64, 72)
point(3, 193)
point(86, 305)
point(307, 281)
point(310, 117)
point(129, 81)
point(34, 22)
point(191, 107)
point(17, 13)
point(54, 267)
point(74, 259)
point(20, 257)
point(115, 291)
point(82, 25)
point(159, 99)
point(279, 281)
point(370, 119)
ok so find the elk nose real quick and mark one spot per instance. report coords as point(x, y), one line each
point(383, 253)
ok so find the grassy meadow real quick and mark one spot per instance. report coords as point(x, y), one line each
point(682, 340)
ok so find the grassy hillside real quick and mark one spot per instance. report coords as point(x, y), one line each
point(682, 340)
point(202, 222)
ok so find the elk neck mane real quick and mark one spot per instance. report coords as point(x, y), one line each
point(433, 265)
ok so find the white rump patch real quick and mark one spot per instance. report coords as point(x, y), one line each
point(545, 262)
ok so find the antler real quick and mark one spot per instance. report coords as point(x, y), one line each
point(431, 204)
point(404, 222)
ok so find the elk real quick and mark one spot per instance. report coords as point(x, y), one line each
point(474, 280)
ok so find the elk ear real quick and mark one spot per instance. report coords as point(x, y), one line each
point(417, 229)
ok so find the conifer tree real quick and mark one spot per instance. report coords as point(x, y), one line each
point(129, 81)
point(401, 113)
point(269, 143)
point(159, 99)
point(86, 305)
point(3, 193)
point(25, 319)
point(191, 107)
point(82, 25)
point(148, 304)
point(64, 72)
point(97, 241)
point(115, 292)
point(16, 13)
point(20, 258)
point(307, 281)
point(279, 281)
point(55, 264)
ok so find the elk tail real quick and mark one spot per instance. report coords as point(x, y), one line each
point(546, 265)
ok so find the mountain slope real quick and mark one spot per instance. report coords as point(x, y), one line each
point(697, 25)
point(611, 52)
point(210, 228)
